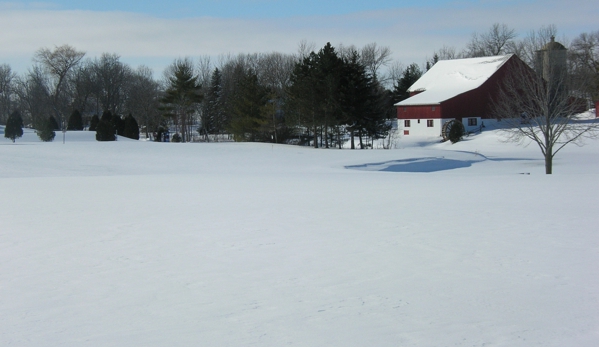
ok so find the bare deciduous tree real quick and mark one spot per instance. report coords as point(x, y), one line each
point(304, 48)
point(374, 57)
point(58, 63)
point(143, 99)
point(543, 111)
point(492, 42)
point(584, 54)
point(7, 79)
point(111, 77)
point(535, 41)
point(34, 96)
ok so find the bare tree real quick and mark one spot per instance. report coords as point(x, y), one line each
point(492, 42)
point(542, 110)
point(7, 79)
point(584, 55)
point(85, 89)
point(34, 96)
point(448, 53)
point(143, 99)
point(58, 63)
point(304, 48)
point(395, 72)
point(111, 78)
point(534, 42)
point(374, 57)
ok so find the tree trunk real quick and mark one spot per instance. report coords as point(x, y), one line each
point(548, 163)
point(361, 143)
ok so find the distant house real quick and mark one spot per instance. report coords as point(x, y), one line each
point(460, 89)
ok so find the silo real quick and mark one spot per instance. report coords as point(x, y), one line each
point(551, 61)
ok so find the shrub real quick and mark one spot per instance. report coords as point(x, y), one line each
point(456, 132)
point(75, 121)
point(176, 138)
point(14, 126)
point(93, 124)
point(131, 128)
point(105, 131)
point(46, 132)
point(54, 123)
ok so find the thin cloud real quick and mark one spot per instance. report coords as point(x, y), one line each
point(412, 33)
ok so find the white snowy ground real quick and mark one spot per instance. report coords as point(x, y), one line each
point(150, 244)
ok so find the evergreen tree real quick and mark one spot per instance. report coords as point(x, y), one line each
point(75, 121)
point(329, 69)
point(54, 123)
point(106, 116)
point(355, 94)
point(14, 126)
point(410, 75)
point(248, 113)
point(315, 91)
point(213, 108)
point(119, 124)
point(131, 128)
point(93, 124)
point(105, 131)
point(182, 95)
point(46, 132)
point(302, 102)
point(362, 102)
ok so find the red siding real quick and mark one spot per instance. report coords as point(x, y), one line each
point(474, 103)
point(419, 112)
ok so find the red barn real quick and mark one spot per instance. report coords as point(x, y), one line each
point(453, 89)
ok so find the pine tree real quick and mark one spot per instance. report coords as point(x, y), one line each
point(131, 128)
point(410, 75)
point(75, 121)
point(14, 126)
point(182, 96)
point(362, 102)
point(46, 132)
point(212, 110)
point(248, 114)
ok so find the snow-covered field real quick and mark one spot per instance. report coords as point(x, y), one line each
point(223, 244)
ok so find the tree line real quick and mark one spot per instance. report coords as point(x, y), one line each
point(322, 97)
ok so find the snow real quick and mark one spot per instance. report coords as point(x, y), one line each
point(134, 243)
point(449, 78)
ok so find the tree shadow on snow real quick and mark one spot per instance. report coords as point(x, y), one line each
point(430, 164)
point(425, 164)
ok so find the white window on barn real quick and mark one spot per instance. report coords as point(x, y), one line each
point(433, 108)
point(472, 122)
point(430, 123)
point(406, 123)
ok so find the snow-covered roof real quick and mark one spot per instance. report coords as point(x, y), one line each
point(448, 78)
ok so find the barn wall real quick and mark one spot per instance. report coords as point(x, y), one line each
point(478, 102)
point(419, 112)
point(420, 128)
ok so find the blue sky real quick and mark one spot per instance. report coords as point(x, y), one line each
point(154, 33)
point(240, 8)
